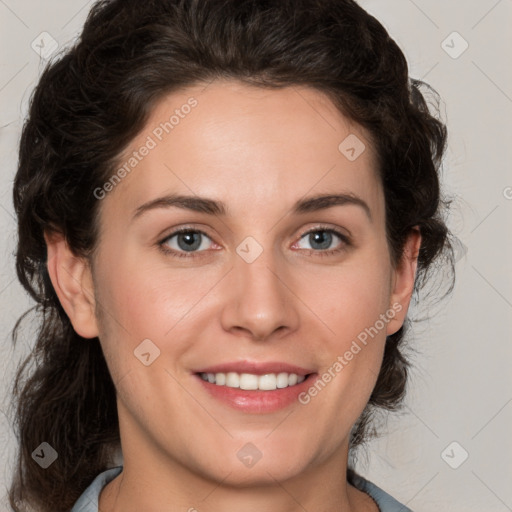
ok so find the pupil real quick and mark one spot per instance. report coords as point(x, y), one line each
point(322, 238)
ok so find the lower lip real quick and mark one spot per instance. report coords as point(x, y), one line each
point(257, 401)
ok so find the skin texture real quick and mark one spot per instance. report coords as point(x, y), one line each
point(258, 151)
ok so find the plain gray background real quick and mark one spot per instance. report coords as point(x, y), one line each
point(460, 394)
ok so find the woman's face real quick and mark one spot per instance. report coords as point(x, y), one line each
point(270, 279)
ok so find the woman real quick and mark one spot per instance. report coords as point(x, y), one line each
point(224, 209)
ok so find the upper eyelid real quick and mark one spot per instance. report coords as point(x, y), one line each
point(325, 228)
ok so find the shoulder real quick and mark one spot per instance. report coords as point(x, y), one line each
point(385, 501)
point(88, 501)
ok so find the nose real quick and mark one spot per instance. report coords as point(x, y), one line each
point(259, 302)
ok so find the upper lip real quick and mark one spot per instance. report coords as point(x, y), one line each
point(256, 368)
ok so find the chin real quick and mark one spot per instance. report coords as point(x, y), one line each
point(239, 471)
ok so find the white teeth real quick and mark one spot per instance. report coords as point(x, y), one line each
point(282, 380)
point(267, 382)
point(232, 380)
point(249, 381)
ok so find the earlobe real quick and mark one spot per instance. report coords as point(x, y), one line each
point(72, 280)
point(403, 281)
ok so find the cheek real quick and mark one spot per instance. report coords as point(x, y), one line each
point(353, 306)
point(150, 302)
point(353, 301)
point(350, 297)
point(149, 299)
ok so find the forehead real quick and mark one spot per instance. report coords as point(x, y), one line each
point(247, 144)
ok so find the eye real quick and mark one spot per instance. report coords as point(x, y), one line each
point(186, 241)
point(326, 241)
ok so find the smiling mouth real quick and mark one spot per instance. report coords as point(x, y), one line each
point(249, 381)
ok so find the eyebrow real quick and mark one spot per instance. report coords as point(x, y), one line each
point(213, 207)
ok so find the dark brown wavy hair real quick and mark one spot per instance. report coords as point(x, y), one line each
point(95, 97)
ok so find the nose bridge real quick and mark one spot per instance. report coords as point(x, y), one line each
point(259, 303)
point(259, 278)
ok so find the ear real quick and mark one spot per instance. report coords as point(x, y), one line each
point(72, 280)
point(402, 281)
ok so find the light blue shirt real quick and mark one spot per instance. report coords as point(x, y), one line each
point(88, 501)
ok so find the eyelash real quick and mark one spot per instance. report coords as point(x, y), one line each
point(328, 252)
